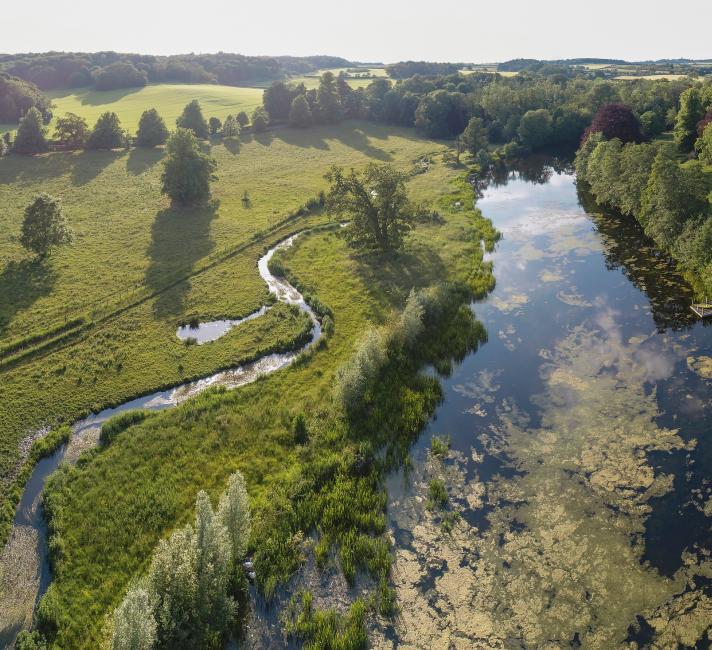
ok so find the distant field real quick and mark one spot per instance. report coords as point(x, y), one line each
point(650, 76)
point(168, 99)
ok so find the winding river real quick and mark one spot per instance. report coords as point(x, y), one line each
point(24, 569)
point(580, 467)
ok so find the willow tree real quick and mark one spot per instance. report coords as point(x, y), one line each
point(376, 203)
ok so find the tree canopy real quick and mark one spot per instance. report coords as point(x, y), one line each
point(107, 133)
point(71, 130)
point(152, 130)
point(616, 121)
point(300, 114)
point(260, 120)
point(44, 226)
point(30, 136)
point(187, 171)
point(192, 118)
point(376, 203)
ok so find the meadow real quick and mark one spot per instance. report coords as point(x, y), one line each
point(138, 268)
point(108, 514)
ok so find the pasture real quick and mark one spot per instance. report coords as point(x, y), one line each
point(168, 99)
point(131, 248)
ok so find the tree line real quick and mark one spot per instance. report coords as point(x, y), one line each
point(110, 70)
point(665, 186)
point(535, 110)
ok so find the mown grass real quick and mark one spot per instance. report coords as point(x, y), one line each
point(128, 238)
point(168, 99)
point(108, 514)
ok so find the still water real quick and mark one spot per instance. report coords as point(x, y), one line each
point(580, 468)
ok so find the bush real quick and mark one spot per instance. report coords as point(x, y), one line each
point(107, 133)
point(152, 130)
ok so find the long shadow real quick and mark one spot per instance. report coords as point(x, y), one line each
point(100, 97)
point(232, 145)
point(305, 138)
point(180, 237)
point(30, 169)
point(21, 284)
point(357, 139)
point(141, 159)
point(89, 164)
point(394, 275)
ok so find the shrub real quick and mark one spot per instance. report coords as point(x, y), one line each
point(440, 446)
point(437, 494)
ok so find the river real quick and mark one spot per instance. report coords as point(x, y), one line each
point(580, 467)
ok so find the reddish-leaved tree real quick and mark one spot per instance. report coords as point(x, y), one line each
point(615, 121)
point(704, 121)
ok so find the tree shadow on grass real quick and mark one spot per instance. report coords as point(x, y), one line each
point(357, 139)
point(141, 159)
point(21, 284)
point(392, 276)
point(310, 138)
point(232, 145)
point(89, 164)
point(180, 237)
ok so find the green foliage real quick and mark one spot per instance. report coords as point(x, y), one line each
point(214, 124)
point(299, 429)
point(376, 203)
point(260, 120)
point(152, 130)
point(30, 641)
point(120, 422)
point(44, 226)
point(441, 114)
point(107, 133)
point(440, 446)
point(326, 629)
point(242, 119)
point(30, 136)
point(535, 129)
point(17, 96)
point(192, 119)
point(692, 110)
point(328, 107)
point(119, 74)
point(300, 114)
point(187, 171)
point(230, 128)
point(185, 600)
point(474, 137)
point(71, 130)
point(703, 146)
point(437, 494)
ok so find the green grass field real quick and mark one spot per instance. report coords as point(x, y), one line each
point(108, 533)
point(168, 99)
point(130, 244)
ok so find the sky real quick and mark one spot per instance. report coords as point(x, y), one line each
point(366, 30)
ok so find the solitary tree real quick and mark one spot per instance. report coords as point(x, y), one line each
point(71, 130)
point(44, 226)
point(376, 203)
point(30, 136)
point(474, 137)
point(192, 118)
point(107, 133)
point(187, 171)
point(615, 121)
point(152, 130)
point(260, 120)
point(214, 124)
point(230, 128)
point(300, 114)
point(242, 119)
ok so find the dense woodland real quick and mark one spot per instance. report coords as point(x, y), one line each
point(111, 70)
